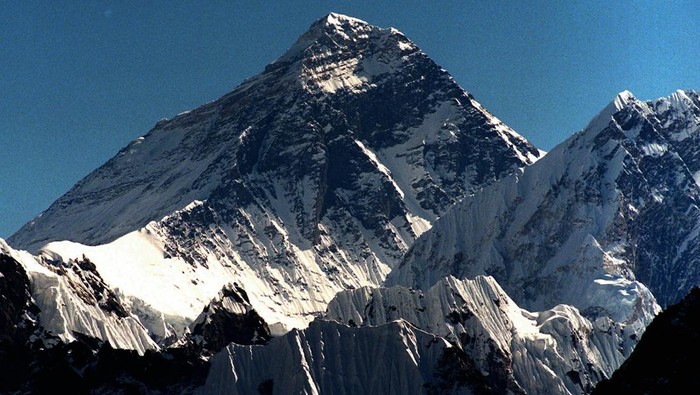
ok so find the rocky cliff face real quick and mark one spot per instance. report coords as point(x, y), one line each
point(18, 310)
point(229, 318)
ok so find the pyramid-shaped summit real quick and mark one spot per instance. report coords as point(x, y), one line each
point(340, 28)
point(374, 81)
point(340, 53)
point(312, 177)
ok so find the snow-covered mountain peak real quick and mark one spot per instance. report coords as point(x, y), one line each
point(623, 100)
point(335, 22)
point(681, 110)
point(342, 21)
point(313, 177)
point(369, 83)
point(679, 96)
point(681, 107)
point(339, 27)
point(341, 54)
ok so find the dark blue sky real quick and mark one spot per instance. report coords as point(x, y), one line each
point(80, 79)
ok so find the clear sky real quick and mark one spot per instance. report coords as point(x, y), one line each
point(80, 79)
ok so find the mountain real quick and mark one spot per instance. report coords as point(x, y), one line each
point(229, 318)
point(351, 220)
point(665, 360)
point(460, 336)
point(311, 178)
point(368, 90)
point(605, 217)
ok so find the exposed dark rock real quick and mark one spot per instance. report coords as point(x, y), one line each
point(665, 360)
point(17, 310)
point(90, 366)
point(218, 326)
point(456, 370)
point(92, 289)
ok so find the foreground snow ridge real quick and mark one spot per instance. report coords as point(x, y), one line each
point(553, 351)
point(331, 358)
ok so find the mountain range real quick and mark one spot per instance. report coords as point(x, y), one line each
point(352, 220)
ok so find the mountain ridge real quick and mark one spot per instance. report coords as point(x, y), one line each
point(592, 204)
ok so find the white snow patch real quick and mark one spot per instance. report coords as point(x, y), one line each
point(654, 149)
point(135, 265)
point(383, 169)
point(404, 45)
point(418, 225)
point(679, 99)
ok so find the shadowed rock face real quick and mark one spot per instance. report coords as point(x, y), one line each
point(17, 309)
point(17, 324)
point(665, 360)
point(88, 365)
point(229, 318)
